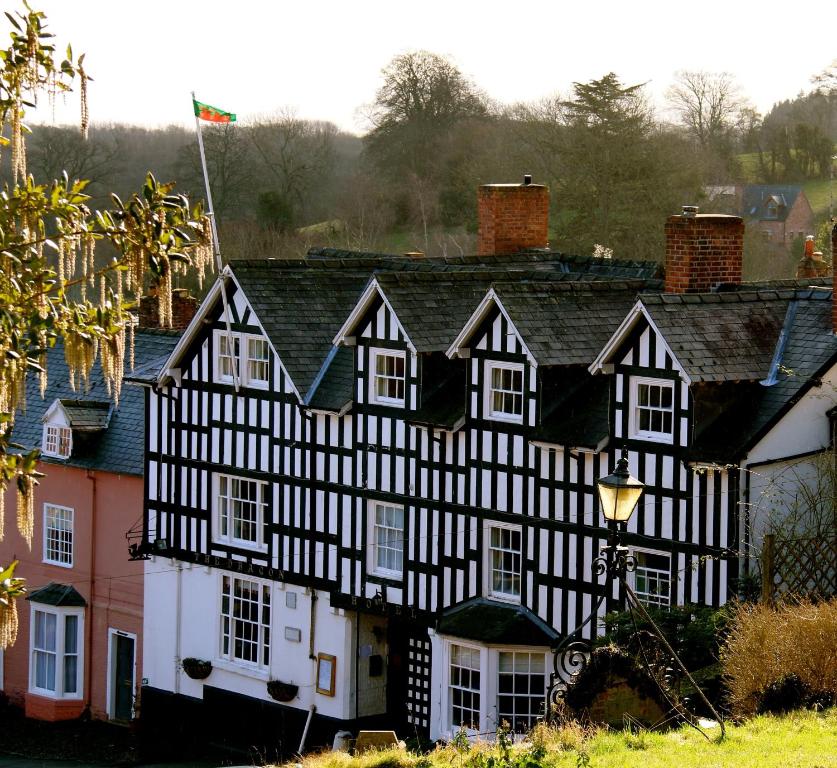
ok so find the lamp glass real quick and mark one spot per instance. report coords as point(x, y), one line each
point(618, 501)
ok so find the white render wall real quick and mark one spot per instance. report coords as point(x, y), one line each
point(199, 637)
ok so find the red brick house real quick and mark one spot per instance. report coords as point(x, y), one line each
point(781, 212)
point(79, 645)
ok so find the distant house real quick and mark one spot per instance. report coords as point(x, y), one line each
point(781, 212)
point(79, 645)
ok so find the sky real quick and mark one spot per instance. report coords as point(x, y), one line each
point(323, 58)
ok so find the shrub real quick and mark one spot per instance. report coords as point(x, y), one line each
point(785, 653)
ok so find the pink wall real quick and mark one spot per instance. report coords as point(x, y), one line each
point(105, 507)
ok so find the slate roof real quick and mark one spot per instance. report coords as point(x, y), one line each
point(119, 448)
point(491, 621)
point(755, 199)
point(87, 415)
point(541, 260)
point(810, 350)
point(568, 323)
point(57, 595)
point(731, 336)
point(336, 387)
point(301, 308)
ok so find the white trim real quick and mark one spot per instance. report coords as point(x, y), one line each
point(346, 337)
point(372, 559)
point(459, 345)
point(242, 359)
point(46, 559)
point(489, 692)
point(260, 545)
point(488, 569)
point(110, 698)
point(251, 669)
point(672, 596)
point(634, 432)
point(61, 614)
point(373, 397)
point(625, 327)
point(488, 391)
point(168, 371)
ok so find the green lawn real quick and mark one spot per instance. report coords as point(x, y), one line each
point(799, 740)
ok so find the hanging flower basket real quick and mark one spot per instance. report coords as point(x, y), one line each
point(197, 669)
point(280, 691)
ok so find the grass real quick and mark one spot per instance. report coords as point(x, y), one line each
point(800, 740)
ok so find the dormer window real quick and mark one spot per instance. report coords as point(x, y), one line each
point(504, 391)
point(388, 380)
point(58, 441)
point(246, 356)
point(652, 409)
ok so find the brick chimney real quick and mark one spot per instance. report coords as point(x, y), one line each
point(812, 263)
point(702, 251)
point(183, 308)
point(512, 217)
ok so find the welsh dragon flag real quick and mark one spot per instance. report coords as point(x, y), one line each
point(212, 114)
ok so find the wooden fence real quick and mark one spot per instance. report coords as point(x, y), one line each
point(804, 568)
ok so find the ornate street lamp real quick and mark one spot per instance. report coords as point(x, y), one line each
point(619, 493)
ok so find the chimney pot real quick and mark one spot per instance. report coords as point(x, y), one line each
point(527, 180)
point(690, 210)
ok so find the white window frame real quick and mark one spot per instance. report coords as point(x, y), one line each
point(67, 512)
point(250, 379)
point(260, 543)
point(53, 437)
point(655, 575)
point(489, 687)
point(508, 597)
point(539, 696)
point(374, 397)
point(242, 359)
point(61, 655)
point(634, 406)
point(372, 530)
point(449, 686)
point(488, 392)
point(265, 633)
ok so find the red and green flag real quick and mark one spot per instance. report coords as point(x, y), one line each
point(212, 114)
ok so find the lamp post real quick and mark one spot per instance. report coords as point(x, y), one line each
point(619, 493)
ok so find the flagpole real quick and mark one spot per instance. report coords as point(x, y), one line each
point(216, 247)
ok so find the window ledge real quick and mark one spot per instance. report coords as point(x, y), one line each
point(57, 564)
point(255, 673)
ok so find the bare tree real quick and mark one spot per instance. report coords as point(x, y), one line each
point(708, 103)
point(297, 155)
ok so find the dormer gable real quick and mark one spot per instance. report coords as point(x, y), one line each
point(68, 421)
point(373, 318)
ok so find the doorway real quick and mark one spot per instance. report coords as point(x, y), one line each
point(122, 676)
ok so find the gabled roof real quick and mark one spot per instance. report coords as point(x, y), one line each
point(756, 198)
point(119, 448)
point(731, 336)
point(810, 350)
point(494, 622)
point(301, 308)
point(58, 595)
point(567, 323)
point(85, 415)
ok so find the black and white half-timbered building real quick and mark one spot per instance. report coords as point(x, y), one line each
point(371, 480)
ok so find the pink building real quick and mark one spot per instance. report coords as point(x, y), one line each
point(79, 645)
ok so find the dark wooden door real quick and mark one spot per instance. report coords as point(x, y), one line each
point(123, 678)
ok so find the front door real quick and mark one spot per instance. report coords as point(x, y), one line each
point(122, 680)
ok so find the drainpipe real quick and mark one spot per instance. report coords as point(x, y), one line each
point(311, 712)
point(178, 621)
point(88, 667)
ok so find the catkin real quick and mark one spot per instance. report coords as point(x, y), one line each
point(26, 508)
point(8, 623)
